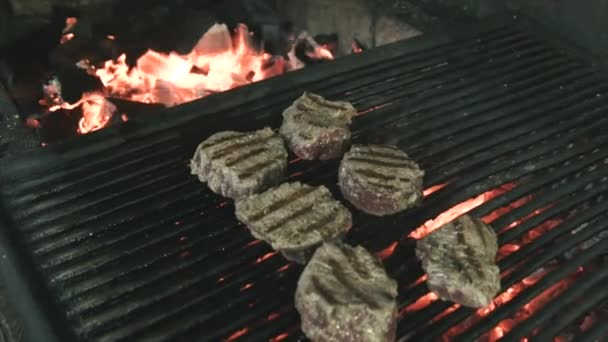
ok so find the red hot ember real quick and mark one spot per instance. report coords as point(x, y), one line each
point(218, 62)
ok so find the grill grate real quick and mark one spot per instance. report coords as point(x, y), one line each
point(131, 247)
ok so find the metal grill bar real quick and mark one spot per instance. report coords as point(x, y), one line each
point(589, 289)
point(132, 247)
point(597, 332)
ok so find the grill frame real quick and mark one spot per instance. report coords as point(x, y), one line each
point(45, 318)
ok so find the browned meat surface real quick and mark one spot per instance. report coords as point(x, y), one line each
point(315, 128)
point(459, 259)
point(237, 164)
point(380, 180)
point(344, 294)
point(294, 218)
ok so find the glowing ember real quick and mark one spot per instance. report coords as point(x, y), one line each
point(67, 35)
point(388, 251)
point(253, 243)
point(433, 189)
point(371, 109)
point(96, 113)
point(265, 257)
point(421, 303)
point(491, 217)
point(218, 62)
point(458, 210)
point(527, 237)
point(280, 337)
point(284, 268)
point(237, 334)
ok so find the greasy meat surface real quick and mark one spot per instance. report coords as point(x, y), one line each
point(315, 128)
point(379, 179)
point(344, 294)
point(236, 164)
point(294, 218)
point(459, 259)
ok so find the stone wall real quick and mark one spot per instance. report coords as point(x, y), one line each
point(364, 20)
point(584, 22)
point(45, 7)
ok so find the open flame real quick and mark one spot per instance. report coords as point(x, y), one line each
point(218, 62)
point(66, 33)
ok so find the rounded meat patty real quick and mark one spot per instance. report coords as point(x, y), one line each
point(294, 218)
point(380, 180)
point(317, 129)
point(344, 294)
point(460, 260)
point(236, 164)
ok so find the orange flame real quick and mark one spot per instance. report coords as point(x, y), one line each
point(218, 62)
point(96, 111)
point(67, 35)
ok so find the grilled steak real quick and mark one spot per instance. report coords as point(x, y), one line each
point(459, 259)
point(344, 294)
point(236, 164)
point(294, 218)
point(315, 128)
point(380, 180)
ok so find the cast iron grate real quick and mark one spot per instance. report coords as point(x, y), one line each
point(131, 247)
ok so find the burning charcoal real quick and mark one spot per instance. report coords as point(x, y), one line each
point(236, 164)
point(380, 180)
point(344, 294)
point(308, 51)
point(459, 260)
point(97, 111)
point(357, 47)
point(294, 218)
point(315, 128)
point(216, 40)
point(51, 89)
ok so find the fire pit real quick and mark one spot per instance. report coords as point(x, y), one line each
point(108, 237)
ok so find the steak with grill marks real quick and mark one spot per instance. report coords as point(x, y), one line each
point(237, 164)
point(317, 129)
point(294, 218)
point(380, 180)
point(459, 259)
point(344, 294)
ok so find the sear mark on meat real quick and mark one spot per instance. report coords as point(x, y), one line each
point(236, 164)
point(459, 259)
point(294, 218)
point(317, 129)
point(380, 180)
point(344, 294)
